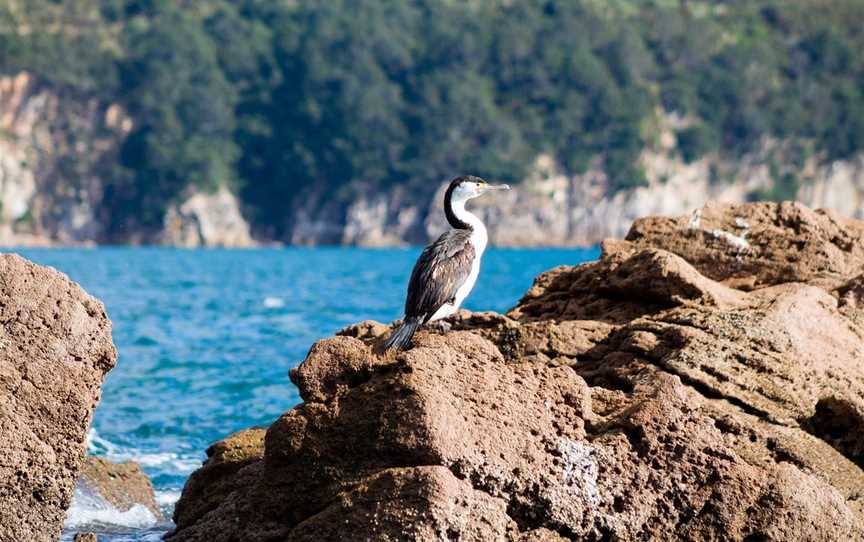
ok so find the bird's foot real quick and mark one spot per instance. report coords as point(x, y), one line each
point(442, 326)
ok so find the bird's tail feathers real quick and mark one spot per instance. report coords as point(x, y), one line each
point(401, 337)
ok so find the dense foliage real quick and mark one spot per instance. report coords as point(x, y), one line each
point(277, 97)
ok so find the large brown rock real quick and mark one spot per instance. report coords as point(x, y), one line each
point(122, 485)
point(633, 398)
point(55, 348)
point(783, 242)
point(218, 476)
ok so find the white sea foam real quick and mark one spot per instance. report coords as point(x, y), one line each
point(140, 537)
point(169, 461)
point(90, 509)
point(96, 444)
point(166, 461)
point(167, 497)
point(274, 302)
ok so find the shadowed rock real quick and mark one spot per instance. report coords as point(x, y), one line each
point(633, 398)
point(218, 477)
point(55, 348)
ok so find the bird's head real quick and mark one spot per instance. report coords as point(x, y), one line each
point(468, 186)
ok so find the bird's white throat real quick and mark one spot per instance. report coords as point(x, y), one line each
point(479, 237)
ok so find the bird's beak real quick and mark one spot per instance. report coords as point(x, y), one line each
point(497, 187)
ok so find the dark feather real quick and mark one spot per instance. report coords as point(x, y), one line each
point(401, 337)
point(442, 268)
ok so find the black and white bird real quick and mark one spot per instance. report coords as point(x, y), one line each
point(447, 269)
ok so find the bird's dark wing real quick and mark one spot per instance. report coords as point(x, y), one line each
point(439, 272)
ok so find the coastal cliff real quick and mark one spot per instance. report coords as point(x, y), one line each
point(55, 153)
point(549, 208)
point(58, 151)
point(701, 381)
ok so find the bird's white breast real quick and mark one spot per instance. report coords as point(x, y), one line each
point(478, 239)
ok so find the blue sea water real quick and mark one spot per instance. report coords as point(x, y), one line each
point(206, 339)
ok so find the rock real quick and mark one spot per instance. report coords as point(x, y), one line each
point(85, 537)
point(851, 299)
point(367, 331)
point(851, 294)
point(122, 485)
point(209, 220)
point(342, 362)
point(783, 242)
point(219, 474)
point(57, 154)
point(632, 398)
point(55, 349)
point(376, 218)
point(550, 208)
point(387, 506)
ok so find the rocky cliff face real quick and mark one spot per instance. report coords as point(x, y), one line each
point(552, 209)
point(207, 220)
point(701, 381)
point(55, 349)
point(56, 153)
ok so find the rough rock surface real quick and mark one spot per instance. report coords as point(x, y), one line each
point(633, 398)
point(122, 485)
point(55, 348)
point(754, 245)
point(218, 475)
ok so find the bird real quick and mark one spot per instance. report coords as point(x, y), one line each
point(447, 269)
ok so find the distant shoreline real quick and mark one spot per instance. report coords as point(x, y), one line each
point(270, 246)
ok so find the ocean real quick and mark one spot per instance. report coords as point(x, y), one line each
point(206, 339)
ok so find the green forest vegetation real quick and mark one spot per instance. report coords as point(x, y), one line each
point(273, 97)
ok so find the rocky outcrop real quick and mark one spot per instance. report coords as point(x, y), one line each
point(549, 208)
point(55, 349)
point(210, 220)
point(120, 485)
point(55, 152)
point(219, 475)
point(752, 246)
point(646, 396)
